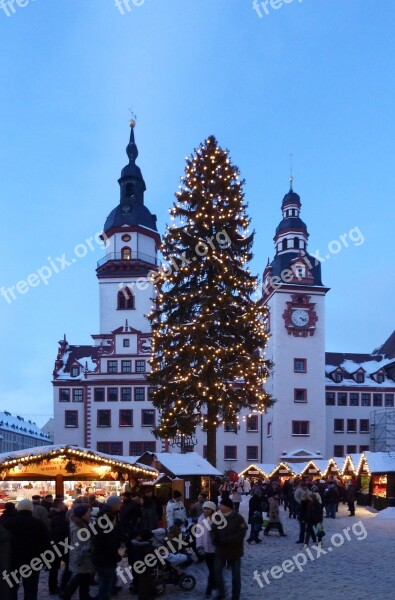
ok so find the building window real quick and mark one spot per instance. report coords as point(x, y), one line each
point(338, 451)
point(126, 253)
point(112, 366)
point(126, 394)
point(138, 448)
point(140, 366)
point(354, 399)
point(252, 423)
point(75, 371)
point(338, 425)
point(351, 449)
point(330, 399)
point(364, 448)
point(377, 399)
point(351, 426)
point(269, 429)
point(126, 366)
point(112, 394)
point(342, 399)
point(365, 399)
point(252, 452)
point(114, 448)
point(125, 299)
point(126, 343)
point(300, 427)
point(380, 378)
point(126, 418)
point(230, 426)
point(360, 377)
point(147, 418)
point(389, 400)
point(300, 395)
point(338, 377)
point(78, 395)
point(64, 395)
point(300, 365)
point(98, 395)
point(363, 425)
point(230, 452)
point(104, 418)
point(285, 244)
point(139, 395)
point(71, 418)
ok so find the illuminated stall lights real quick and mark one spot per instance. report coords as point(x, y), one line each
point(349, 469)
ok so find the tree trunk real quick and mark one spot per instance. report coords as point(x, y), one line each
point(211, 435)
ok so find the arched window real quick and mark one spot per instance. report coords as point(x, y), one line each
point(126, 253)
point(296, 242)
point(125, 299)
point(285, 244)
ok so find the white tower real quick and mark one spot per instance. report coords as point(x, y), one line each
point(294, 428)
point(132, 243)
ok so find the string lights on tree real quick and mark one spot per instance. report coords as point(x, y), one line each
point(208, 332)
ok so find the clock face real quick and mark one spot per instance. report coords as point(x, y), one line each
point(300, 317)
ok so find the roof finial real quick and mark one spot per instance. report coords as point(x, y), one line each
point(291, 178)
point(133, 118)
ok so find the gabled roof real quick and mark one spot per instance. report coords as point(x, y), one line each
point(177, 464)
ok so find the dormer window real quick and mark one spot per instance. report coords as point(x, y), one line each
point(337, 377)
point(360, 377)
point(380, 377)
point(126, 253)
point(75, 371)
point(125, 299)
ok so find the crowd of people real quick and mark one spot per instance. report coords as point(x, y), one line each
point(125, 526)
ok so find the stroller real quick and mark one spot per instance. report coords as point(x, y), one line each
point(172, 572)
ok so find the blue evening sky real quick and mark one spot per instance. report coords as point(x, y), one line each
point(315, 78)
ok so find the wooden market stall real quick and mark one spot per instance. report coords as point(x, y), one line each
point(377, 469)
point(69, 463)
point(257, 471)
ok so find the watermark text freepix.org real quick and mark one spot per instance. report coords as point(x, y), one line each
point(267, 6)
point(124, 6)
point(9, 6)
point(300, 560)
point(54, 266)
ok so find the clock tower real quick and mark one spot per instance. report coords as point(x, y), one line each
point(294, 427)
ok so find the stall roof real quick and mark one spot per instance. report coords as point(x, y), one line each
point(265, 468)
point(190, 463)
point(380, 462)
point(7, 459)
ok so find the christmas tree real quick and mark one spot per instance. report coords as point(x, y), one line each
point(208, 332)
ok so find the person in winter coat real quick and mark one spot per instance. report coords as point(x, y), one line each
point(130, 515)
point(175, 509)
point(313, 517)
point(39, 511)
point(255, 516)
point(351, 496)
point(149, 514)
point(143, 583)
point(29, 538)
point(236, 496)
point(274, 514)
point(58, 531)
point(331, 499)
point(9, 512)
point(301, 496)
point(229, 548)
point(5, 558)
point(80, 558)
point(105, 554)
point(205, 543)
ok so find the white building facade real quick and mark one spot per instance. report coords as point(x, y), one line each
point(322, 401)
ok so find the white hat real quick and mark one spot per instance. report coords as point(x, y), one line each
point(25, 504)
point(209, 504)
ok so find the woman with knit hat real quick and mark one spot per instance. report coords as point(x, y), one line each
point(80, 559)
point(204, 544)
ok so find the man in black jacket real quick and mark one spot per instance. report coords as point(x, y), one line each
point(228, 539)
point(30, 537)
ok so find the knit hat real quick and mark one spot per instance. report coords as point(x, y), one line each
point(79, 510)
point(113, 501)
point(209, 504)
point(227, 502)
point(25, 504)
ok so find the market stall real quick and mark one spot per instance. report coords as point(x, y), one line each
point(71, 466)
point(378, 468)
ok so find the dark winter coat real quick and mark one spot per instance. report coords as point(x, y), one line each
point(130, 518)
point(314, 512)
point(228, 540)
point(254, 505)
point(105, 545)
point(351, 492)
point(58, 524)
point(30, 537)
point(331, 494)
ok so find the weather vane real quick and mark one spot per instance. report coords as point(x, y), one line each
point(133, 117)
point(291, 177)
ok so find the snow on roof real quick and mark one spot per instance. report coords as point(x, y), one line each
point(381, 462)
point(190, 463)
point(17, 424)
